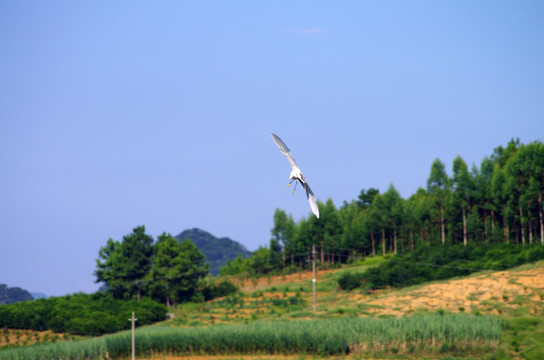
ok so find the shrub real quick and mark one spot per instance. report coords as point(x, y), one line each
point(349, 281)
point(222, 289)
point(80, 314)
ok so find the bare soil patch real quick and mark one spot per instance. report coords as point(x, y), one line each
point(249, 285)
point(479, 293)
point(27, 337)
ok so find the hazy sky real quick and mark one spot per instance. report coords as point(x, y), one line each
point(119, 114)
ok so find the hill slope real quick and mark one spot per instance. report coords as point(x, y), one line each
point(216, 250)
point(515, 296)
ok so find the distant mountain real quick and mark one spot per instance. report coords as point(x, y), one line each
point(36, 295)
point(217, 250)
point(12, 295)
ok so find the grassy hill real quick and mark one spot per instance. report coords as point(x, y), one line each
point(487, 315)
point(515, 297)
point(216, 250)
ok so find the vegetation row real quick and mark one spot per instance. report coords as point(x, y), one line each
point(430, 263)
point(437, 333)
point(80, 314)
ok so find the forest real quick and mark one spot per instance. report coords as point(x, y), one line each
point(497, 202)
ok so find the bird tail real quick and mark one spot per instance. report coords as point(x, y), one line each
point(311, 199)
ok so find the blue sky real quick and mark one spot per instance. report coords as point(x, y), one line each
point(119, 114)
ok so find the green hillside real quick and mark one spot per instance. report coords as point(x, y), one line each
point(216, 250)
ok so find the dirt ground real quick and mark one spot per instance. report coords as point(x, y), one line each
point(487, 293)
point(262, 283)
point(26, 337)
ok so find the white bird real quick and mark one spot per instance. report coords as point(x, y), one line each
point(296, 174)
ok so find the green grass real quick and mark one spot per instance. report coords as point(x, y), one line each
point(523, 337)
point(436, 333)
point(84, 349)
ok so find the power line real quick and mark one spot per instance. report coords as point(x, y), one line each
point(340, 255)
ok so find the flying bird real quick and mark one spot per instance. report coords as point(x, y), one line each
point(296, 174)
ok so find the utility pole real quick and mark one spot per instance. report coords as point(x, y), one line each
point(133, 320)
point(313, 279)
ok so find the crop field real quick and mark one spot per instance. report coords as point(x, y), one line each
point(27, 337)
point(431, 333)
point(489, 315)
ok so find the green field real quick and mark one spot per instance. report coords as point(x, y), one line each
point(429, 334)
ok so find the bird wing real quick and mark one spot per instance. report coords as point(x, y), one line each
point(285, 150)
point(311, 199)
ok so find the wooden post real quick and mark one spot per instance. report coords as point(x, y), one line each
point(133, 320)
point(313, 279)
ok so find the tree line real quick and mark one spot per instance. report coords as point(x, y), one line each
point(81, 314)
point(167, 270)
point(498, 202)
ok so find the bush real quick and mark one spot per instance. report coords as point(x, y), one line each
point(349, 281)
point(80, 314)
point(222, 289)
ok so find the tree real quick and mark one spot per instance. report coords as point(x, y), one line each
point(165, 273)
point(516, 185)
point(284, 231)
point(529, 200)
point(380, 215)
point(372, 222)
point(366, 197)
point(275, 255)
point(394, 206)
point(538, 185)
point(332, 229)
point(192, 267)
point(418, 215)
point(136, 250)
point(438, 187)
point(483, 179)
point(500, 198)
point(238, 266)
point(463, 186)
point(355, 235)
point(524, 185)
point(109, 268)
point(499, 190)
point(304, 238)
point(368, 218)
point(261, 261)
